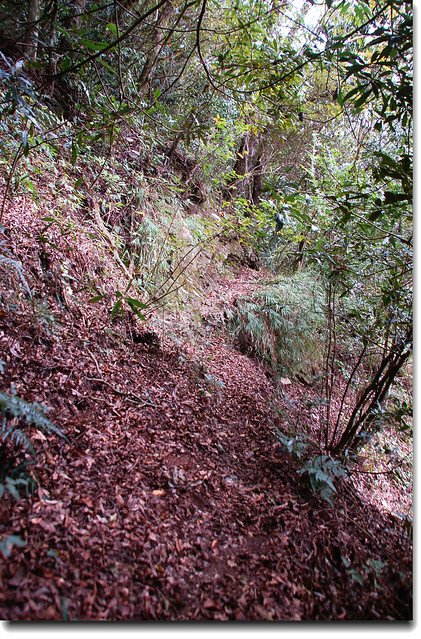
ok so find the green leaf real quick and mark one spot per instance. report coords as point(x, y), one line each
point(25, 143)
point(116, 309)
point(351, 93)
point(7, 544)
point(96, 298)
point(356, 576)
point(94, 45)
point(362, 99)
point(11, 488)
point(134, 303)
point(374, 215)
point(31, 187)
point(65, 64)
point(112, 28)
point(377, 565)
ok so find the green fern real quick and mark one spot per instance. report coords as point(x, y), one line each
point(14, 485)
point(280, 324)
point(14, 479)
point(16, 436)
point(321, 472)
point(7, 260)
point(16, 414)
point(14, 407)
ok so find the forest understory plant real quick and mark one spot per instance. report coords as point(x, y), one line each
point(17, 453)
point(18, 416)
point(167, 145)
point(281, 324)
point(320, 470)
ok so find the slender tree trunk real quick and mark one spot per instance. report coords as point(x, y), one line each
point(32, 32)
point(156, 42)
point(248, 169)
point(374, 393)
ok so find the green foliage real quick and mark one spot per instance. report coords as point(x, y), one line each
point(15, 409)
point(367, 63)
point(18, 414)
point(281, 323)
point(370, 571)
point(8, 543)
point(194, 81)
point(6, 260)
point(321, 471)
point(25, 123)
point(296, 445)
point(153, 251)
point(18, 480)
point(252, 224)
point(123, 299)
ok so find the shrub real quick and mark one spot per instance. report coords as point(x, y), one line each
point(321, 471)
point(280, 324)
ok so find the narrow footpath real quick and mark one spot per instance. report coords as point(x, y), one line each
point(173, 500)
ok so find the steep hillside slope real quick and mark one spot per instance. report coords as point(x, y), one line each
point(171, 498)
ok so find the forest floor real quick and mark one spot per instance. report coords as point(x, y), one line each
point(173, 500)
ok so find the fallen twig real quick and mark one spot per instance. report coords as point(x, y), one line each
point(139, 400)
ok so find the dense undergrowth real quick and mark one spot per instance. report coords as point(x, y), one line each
point(134, 198)
point(282, 323)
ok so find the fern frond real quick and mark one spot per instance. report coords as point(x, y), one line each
point(17, 265)
point(16, 435)
point(279, 323)
point(33, 413)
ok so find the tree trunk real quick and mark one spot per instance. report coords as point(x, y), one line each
point(32, 31)
point(374, 393)
point(248, 169)
point(157, 41)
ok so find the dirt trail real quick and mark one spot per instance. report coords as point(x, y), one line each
point(173, 500)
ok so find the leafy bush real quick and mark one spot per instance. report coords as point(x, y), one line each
point(15, 408)
point(320, 470)
point(280, 323)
